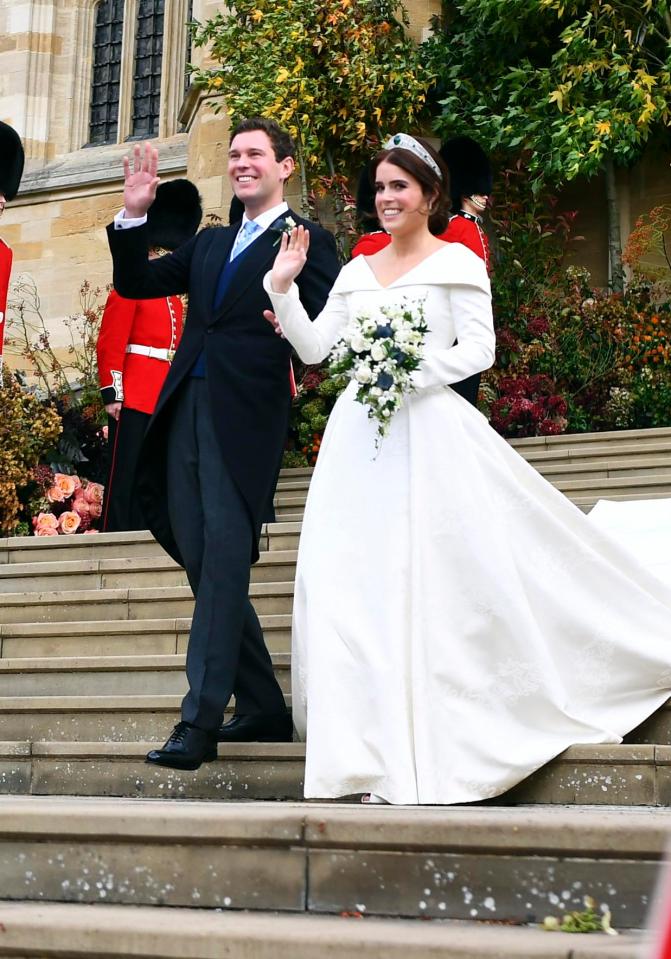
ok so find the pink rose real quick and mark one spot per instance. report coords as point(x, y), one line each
point(55, 494)
point(68, 522)
point(80, 506)
point(78, 483)
point(46, 531)
point(95, 510)
point(44, 521)
point(88, 532)
point(65, 483)
point(94, 493)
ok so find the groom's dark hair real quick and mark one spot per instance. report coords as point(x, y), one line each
point(283, 145)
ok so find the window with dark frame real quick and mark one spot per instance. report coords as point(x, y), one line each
point(189, 46)
point(106, 81)
point(147, 74)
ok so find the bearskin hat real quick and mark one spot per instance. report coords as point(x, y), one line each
point(11, 161)
point(175, 214)
point(470, 170)
point(365, 203)
point(235, 210)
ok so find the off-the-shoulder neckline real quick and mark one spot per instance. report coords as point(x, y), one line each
point(407, 272)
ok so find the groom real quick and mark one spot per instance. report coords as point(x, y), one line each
point(213, 446)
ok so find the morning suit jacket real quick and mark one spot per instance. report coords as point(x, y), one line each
point(247, 363)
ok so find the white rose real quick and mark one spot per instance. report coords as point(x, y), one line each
point(378, 352)
point(358, 343)
point(363, 374)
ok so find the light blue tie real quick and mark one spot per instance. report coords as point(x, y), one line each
point(246, 235)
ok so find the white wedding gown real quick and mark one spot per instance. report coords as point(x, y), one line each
point(457, 621)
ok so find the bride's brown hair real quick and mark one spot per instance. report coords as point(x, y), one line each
point(435, 190)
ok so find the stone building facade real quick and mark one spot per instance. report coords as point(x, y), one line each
point(73, 179)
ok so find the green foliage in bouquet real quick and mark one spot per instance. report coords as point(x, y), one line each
point(67, 380)
point(27, 429)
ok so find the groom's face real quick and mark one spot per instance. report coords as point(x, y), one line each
point(256, 176)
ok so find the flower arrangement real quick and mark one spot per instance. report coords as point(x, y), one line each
point(70, 504)
point(528, 406)
point(28, 429)
point(283, 226)
point(380, 353)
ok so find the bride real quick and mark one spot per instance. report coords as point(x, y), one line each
point(457, 621)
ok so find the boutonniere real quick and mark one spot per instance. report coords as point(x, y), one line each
point(282, 227)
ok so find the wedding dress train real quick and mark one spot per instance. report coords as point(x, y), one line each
point(457, 621)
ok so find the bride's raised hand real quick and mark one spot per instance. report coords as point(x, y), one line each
point(140, 180)
point(290, 259)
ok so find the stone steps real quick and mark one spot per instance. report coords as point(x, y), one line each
point(170, 602)
point(106, 675)
point(45, 930)
point(137, 572)
point(119, 637)
point(618, 485)
point(93, 633)
point(624, 775)
point(130, 718)
point(485, 863)
point(555, 468)
point(102, 546)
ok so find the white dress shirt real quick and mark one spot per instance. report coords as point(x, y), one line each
point(263, 220)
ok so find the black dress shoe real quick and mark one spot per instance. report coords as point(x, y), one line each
point(264, 728)
point(187, 747)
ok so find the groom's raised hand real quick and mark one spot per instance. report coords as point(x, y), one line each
point(140, 180)
point(290, 259)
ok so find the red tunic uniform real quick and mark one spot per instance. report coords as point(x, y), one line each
point(136, 343)
point(130, 330)
point(460, 229)
point(5, 270)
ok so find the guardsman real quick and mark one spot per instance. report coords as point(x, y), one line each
point(11, 170)
point(136, 344)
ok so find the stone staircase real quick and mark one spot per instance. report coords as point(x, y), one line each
point(93, 634)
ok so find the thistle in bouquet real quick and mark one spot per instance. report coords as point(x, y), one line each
point(380, 351)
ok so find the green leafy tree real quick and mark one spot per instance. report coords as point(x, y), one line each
point(335, 73)
point(580, 85)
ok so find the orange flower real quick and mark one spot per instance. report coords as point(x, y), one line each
point(65, 483)
point(44, 521)
point(94, 493)
point(69, 522)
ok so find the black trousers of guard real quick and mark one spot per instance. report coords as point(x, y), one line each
point(213, 531)
point(121, 509)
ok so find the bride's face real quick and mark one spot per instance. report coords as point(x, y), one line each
point(399, 200)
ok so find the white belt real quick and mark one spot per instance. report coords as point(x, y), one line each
point(153, 352)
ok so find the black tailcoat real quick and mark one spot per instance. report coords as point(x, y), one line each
point(247, 363)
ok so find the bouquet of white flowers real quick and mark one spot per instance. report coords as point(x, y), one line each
point(379, 352)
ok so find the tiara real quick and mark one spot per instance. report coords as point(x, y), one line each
point(402, 141)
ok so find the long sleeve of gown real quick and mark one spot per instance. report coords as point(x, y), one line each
point(312, 340)
point(471, 308)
